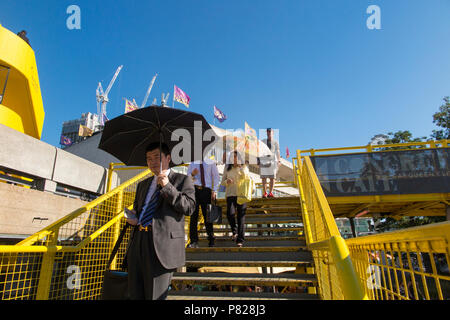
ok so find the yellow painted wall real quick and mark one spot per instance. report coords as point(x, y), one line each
point(22, 108)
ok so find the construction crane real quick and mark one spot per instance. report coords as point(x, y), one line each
point(164, 99)
point(102, 97)
point(148, 91)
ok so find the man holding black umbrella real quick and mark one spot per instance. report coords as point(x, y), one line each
point(157, 245)
point(151, 136)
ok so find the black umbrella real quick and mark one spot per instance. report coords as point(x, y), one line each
point(127, 136)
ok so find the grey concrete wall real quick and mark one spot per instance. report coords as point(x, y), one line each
point(24, 153)
point(75, 171)
point(20, 208)
point(33, 157)
point(88, 149)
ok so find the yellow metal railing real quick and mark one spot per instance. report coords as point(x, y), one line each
point(373, 148)
point(336, 275)
point(66, 260)
point(407, 264)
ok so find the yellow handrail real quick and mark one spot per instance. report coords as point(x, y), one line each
point(80, 241)
point(336, 274)
point(370, 148)
point(405, 264)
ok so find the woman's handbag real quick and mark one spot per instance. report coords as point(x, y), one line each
point(245, 190)
point(213, 213)
point(115, 282)
point(266, 161)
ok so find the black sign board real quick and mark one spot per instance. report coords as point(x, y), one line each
point(388, 172)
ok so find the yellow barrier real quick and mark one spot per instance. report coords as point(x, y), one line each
point(406, 264)
point(66, 260)
point(335, 272)
point(371, 148)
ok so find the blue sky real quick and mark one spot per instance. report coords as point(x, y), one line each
point(312, 69)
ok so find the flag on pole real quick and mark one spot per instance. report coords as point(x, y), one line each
point(84, 131)
point(180, 96)
point(219, 115)
point(65, 141)
point(251, 140)
point(287, 152)
point(130, 106)
point(250, 133)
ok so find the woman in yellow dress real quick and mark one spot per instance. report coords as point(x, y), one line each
point(235, 170)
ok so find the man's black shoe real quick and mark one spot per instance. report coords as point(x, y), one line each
point(211, 243)
point(193, 245)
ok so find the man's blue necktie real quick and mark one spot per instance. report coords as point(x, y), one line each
point(149, 210)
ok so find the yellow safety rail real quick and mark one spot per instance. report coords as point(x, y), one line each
point(373, 148)
point(66, 260)
point(335, 272)
point(406, 264)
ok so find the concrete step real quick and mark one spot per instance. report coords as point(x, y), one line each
point(258, 202)
point(274, 209)
point(270, 210)
point(226, 295)
point(244, 279)
point(250, 242)
point(267, 219)
point(234, 248)
point(260, 258)
point(269, 214)
point(260, 229)
point(256, 238)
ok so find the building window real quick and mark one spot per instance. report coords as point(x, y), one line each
point(4, 74)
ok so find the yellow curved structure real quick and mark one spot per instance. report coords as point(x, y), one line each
point(21, 108)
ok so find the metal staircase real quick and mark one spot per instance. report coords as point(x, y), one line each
point(273, 240)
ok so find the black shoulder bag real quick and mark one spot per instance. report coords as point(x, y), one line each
point(213, 213)
point(115, 282)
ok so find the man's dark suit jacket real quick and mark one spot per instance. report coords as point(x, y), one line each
point(177, 199)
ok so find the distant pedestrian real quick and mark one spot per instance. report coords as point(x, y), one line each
point(206, 182)
point(235, 171)
point(23, 35)
point(270, 165)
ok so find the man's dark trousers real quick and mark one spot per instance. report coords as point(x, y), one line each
point(202, 199)
point(147, 269)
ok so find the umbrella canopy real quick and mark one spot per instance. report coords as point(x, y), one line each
point(127, 136)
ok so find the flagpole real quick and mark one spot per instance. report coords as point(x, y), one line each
point(173, 98)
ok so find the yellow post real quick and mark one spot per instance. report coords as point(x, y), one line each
point(351, 286)
point(110, 172)
point(45, 277)
point(118, 209)
point(305, 216)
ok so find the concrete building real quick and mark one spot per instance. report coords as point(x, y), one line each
point(40, 183)
point(70, 128)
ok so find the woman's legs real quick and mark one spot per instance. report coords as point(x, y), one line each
point(241, 209)
point(231, 209)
